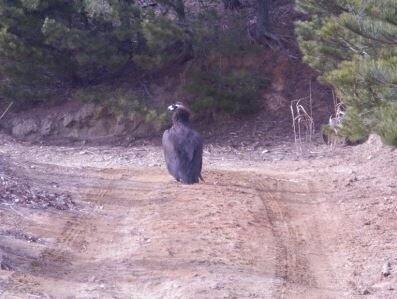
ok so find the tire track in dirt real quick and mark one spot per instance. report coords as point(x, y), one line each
point(240, 236)
point(291, 266)
point(302, 263)
point(57, 260)
point(106, 262)
point(79, 227)
point(71, 262)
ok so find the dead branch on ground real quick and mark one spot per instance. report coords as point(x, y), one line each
point(7, 109)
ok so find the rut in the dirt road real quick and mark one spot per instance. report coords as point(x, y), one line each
point(241, 234)
point(296, 216)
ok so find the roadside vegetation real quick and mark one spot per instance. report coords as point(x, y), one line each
point(107, 52)
point(354, 46)
point(52, 50)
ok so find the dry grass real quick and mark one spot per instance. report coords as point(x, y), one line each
point(302, 121)
point(335, 123)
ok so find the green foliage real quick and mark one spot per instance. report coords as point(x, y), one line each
point(165, 42)
point(224, 36)
point(47, 45)
point(121, 102)
point(354, 128)
point(386, 127)
point(353, 43)
point(350, 130)
point(217, 79)
point(232, 91)
point(53, 47)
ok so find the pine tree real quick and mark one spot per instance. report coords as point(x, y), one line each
point(354, 46)
point(47, 45)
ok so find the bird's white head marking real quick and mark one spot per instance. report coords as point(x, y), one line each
point(175, 106)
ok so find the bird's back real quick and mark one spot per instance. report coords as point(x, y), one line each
point(183, 150)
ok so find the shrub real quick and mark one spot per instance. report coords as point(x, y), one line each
point(233, 91)
point(47, 46)
point(219, 80)
point(353, 44)
point(122, 102)
point(354, 127)
point(386, 127)
point(221, 35)
point(165, 43)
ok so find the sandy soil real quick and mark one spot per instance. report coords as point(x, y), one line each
point(265, 223)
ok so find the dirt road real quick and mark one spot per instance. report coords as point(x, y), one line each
point(247, 232)
point(242, 234)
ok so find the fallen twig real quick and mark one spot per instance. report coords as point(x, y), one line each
point(5, 111)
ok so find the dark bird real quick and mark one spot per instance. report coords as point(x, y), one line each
point(183, 147)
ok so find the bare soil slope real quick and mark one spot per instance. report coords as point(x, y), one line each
point(317, 227)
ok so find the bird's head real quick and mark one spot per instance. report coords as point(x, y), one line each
point(177, 105)
point(181, 112)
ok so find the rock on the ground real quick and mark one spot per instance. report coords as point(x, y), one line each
point(386, 269)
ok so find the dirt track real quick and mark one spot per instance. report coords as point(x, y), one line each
point(247, 232)
point(241, 234)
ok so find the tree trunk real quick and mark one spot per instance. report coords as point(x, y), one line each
point(263, 17)
point(179, 7)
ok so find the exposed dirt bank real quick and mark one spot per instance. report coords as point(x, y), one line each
point(264, 224)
